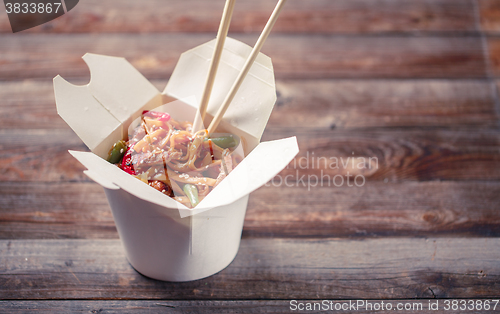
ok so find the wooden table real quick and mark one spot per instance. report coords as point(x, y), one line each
point(411, 83)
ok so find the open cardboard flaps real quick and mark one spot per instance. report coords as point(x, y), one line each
point(116, 94)
point(101, 111)
point(252, 105)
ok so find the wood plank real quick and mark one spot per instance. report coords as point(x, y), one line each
point(271, 269)
point(325, 16)
point(395, 155)
point(498, 102)
point(253, 306)
point(40, 155)
point(57, 210)
point(420, 209)
point(348, 104)
point(489, 11)
point(339, 104)
point(494, 55)
point(299, 56)
point(404, 154)
point(29, 105)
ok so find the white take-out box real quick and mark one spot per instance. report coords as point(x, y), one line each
point(163, 239)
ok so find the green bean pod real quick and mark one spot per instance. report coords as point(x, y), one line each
point(226, 141)
point(192, 193)
point(117, 151)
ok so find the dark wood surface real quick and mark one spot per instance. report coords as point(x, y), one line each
point(319, 104)
point(422, 209)
point(318, 16)
point(413, 83)
point(204, 306)
point(269, 268)
point(310, 56)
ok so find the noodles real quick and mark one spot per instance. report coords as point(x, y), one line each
point(166, 154)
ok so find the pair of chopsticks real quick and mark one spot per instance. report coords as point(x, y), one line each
point(219, 45)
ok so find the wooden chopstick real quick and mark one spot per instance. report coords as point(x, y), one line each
point(214, 64)
point(246, 67)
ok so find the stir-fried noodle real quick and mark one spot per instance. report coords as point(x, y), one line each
point(166, 154)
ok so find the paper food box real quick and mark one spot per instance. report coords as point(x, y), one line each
point(164, 239)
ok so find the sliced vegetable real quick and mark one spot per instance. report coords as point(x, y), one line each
point(161, 116)
point(192, 193)
point(226, 141)
point(127, 163)
point(117, 152)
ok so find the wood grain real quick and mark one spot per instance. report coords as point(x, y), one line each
point(40, 155)
point(494, 55)
point(408, 154)
point(298, 56)
point(269, 269)
point(377, 209)
point(489, 11)
point(314, 16)
point(218, 307)
point(29, 105)
point(406, 83)
point(55, 211)
point(319, 104)
point(348, 104)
